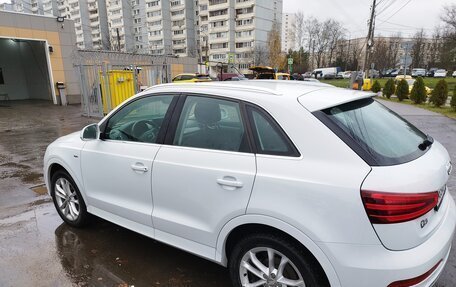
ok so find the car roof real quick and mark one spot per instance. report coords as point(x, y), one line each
point(313, 96)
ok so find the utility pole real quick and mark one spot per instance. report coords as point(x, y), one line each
point(370, 37)
point(118, 39)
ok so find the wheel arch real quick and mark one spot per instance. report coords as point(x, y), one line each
point(261, 223)
point(53, 165)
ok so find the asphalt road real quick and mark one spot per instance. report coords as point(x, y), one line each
point(37, 249)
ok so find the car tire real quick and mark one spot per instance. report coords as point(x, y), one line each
point(68, 200)
point(257, 248)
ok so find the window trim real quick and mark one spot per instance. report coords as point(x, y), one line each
point(166, 120)
point(292, 150)
point(172, 128)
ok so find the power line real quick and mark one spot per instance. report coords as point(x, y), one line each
point(402, 7)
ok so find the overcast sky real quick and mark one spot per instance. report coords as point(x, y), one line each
point(354, 14)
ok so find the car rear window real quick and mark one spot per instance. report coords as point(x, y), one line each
point(377, 134)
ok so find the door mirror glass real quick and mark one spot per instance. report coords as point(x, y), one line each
point(90, 132)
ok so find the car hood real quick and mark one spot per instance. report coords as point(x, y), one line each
point(70, 138)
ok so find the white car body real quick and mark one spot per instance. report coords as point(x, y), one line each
point(419, 72)
point(314, 198)
point(440, 74)
point(454, 74)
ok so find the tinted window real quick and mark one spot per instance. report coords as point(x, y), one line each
point(383, 135)
point(269, 137)
point(211, 124)
point(139, 121)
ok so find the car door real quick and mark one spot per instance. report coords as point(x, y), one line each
point(203, 176)
point(117, 168)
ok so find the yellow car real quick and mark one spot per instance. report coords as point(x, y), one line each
point(191, 78)
point(410, 82)
point(268, 73)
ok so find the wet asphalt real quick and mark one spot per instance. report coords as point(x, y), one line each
point(37, 249)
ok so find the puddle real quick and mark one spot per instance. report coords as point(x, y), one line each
point(40, 189)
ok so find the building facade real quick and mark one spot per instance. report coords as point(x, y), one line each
point(288, 39)
point(232, 31)
point(215, 31)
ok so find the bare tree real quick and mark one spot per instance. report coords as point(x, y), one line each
point(380, 54)
point(393, 51)
point(260, 55)
point(298, 29)
point(418, 48)
point(449, 15)
point(336, 33)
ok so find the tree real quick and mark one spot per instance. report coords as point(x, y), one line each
point(418, 49)
point(260, 55)
point(380, 54)
point(275, 57)
point(418, 94)
point(402, 90)
point(449, 15)
point(453, 99)
point(439, 94)
point(376, 87)
point(336, 32)
point(388, 90)
point(298, 29)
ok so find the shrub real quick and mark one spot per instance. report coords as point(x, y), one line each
point(402, 90)
point(453, 99)
point(418, 94)
point(376, 87)
point(388, 90)
point(439, 94)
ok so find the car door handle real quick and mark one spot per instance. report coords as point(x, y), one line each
point(139, 167)
point(232, 182)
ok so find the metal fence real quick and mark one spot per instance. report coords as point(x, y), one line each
point(100, 84)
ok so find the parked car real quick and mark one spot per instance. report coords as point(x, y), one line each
point(440, 73)
point(268, 73)
point(454, 74)
point(227, 76)
point(283, 182)
point(307, 75)
point(191, 78)
point(431, 72)
point(417, 72)
point(391, 73)
point(326, 73)
point(347, 74)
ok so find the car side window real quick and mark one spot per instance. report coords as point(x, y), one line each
point(139, 121)
point(211, 123)
point(269, 137)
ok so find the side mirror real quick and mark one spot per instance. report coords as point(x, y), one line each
point(90, 132)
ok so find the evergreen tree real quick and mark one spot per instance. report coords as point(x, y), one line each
point(418, 94)
point(440, 94)
point(388, 90)
point(376, 87)
point(402, 90)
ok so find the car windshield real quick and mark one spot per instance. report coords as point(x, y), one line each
point(387, 138)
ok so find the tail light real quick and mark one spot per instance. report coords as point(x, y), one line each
point(384, 208)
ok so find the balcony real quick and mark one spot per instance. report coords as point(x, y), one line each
point(177, 7)
point(244, 4)
point(94, 24)
point(93, 15)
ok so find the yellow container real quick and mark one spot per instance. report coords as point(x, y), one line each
point(119, 87)
point(367, 85)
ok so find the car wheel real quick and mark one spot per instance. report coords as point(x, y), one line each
point(269, 260)
point(68, 200)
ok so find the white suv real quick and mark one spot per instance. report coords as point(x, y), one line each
point(286, 183)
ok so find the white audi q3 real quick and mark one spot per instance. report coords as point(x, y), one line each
point(286, 183)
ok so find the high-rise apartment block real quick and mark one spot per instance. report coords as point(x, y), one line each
point(288, 39)
point(227, 31)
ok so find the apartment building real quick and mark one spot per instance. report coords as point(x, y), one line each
point(90, 22)
point(89, 16)
point(230, 31)
point(288, 39)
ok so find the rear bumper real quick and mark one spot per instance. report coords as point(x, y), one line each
point(374, 265)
